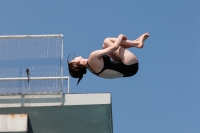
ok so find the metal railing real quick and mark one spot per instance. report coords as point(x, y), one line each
point(41, 55)
point(34, 85)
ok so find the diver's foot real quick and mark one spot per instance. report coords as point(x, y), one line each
point(141, 40)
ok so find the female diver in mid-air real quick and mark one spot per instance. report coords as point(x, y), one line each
point(123, 64)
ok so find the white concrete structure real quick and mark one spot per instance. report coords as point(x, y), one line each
point(70, 113)
point(14, 123)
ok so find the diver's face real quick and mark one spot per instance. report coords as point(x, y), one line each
point(77, 59)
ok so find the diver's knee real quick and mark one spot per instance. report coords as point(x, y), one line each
point(106, 41)
point(103, 46)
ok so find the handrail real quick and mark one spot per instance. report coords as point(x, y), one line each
point(37, 78)
point(31, 36)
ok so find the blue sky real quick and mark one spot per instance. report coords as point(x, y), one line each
point(164, 95)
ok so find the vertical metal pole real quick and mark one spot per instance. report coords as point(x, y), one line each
point(61, 71)
point(61, 67)
point(68, 86)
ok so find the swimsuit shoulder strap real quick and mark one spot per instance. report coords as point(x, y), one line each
point(91, 70)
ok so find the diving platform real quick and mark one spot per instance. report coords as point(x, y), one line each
point(73, 113)
point(35, 95)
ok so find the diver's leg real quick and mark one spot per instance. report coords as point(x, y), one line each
point(138, 43)
point(122, 53)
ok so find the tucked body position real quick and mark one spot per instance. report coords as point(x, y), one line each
point(113, 61)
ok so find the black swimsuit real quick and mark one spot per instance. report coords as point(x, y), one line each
point(126, 70)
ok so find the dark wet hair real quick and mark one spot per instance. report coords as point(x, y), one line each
point(76, 70)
